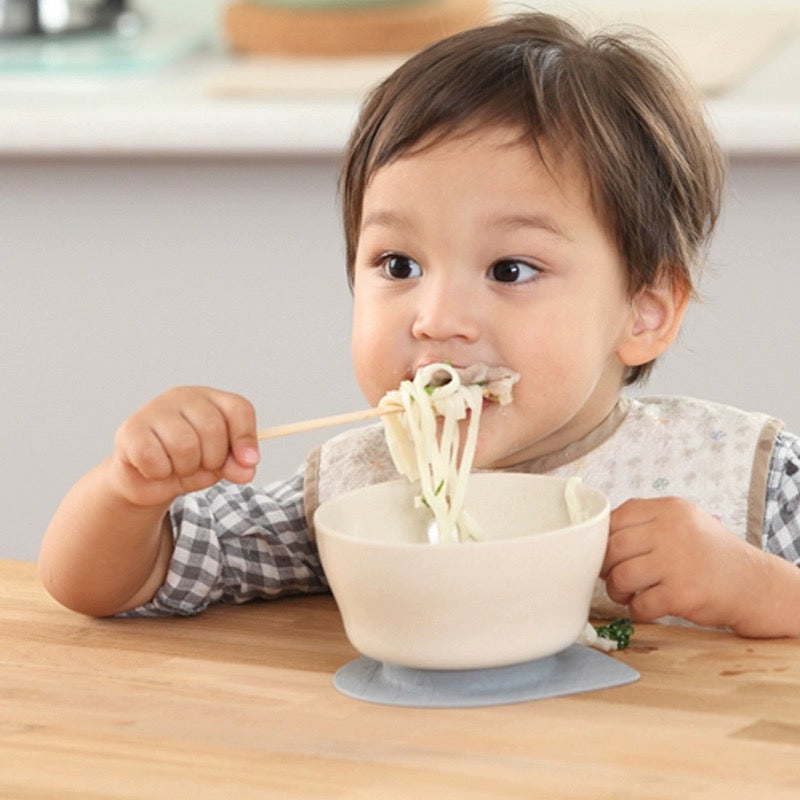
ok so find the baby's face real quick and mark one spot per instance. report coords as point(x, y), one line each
point(472, 251)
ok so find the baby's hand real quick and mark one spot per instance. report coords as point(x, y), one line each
point(666, 556)
point(185, 440)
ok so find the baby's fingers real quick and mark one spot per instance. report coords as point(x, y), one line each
point(237, 461)
point(187, 439)
point(240, 419)
point(201, 438)
point(627, 540)
point(211, 432)
point(139, 445)
point(630, 577)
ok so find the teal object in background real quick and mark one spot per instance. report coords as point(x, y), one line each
point(168, 32)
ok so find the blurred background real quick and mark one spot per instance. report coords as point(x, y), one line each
point(168, 215)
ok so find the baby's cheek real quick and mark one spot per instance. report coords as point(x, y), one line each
point(372, 378)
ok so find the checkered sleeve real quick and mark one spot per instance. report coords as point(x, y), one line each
point(237, 543)
point(782, 513)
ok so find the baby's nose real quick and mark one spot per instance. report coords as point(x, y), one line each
point(446, 310)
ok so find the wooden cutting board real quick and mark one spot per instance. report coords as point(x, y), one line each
point(402, 27)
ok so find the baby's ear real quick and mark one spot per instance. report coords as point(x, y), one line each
point(656, 316)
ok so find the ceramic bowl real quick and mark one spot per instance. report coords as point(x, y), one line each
point(521, 593)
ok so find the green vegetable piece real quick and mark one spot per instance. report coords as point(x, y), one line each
point(619, 631)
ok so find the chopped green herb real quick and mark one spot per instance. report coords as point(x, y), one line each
point(439, 488)
point(619, 631)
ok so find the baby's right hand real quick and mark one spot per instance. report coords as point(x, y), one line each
point(186, 439)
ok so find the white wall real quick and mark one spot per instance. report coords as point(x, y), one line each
point(739, 344)
point(122, 279)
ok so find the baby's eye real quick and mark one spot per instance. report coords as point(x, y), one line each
point(512, 271)
point(400, 268)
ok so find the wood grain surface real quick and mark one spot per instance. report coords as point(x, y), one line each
point(238, 702)
point(272, 29)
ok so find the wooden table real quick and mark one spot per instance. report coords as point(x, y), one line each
point(238, 703)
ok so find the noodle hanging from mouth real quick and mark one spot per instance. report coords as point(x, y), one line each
point(424, 451)
point(425, 441)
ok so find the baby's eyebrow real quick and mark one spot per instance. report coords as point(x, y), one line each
point(517, 221)
point(389, 218)
point(385, 218)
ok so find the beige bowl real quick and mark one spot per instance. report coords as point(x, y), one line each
point(520, 594)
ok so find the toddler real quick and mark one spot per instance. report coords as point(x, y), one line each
point(517, 195)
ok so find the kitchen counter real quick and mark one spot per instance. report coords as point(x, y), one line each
point(239, 702)
point(211, 103)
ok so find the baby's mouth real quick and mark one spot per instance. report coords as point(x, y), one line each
point(497, 382)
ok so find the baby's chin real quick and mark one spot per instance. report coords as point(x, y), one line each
point(493, 449)
point(489, 454)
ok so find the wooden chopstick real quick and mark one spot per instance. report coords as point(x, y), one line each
point(323, 422)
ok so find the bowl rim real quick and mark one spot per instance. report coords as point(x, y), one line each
point(379, 543)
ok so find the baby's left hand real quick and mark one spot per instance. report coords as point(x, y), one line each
point(666, 556)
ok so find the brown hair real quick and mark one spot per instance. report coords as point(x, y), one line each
point(615, 101)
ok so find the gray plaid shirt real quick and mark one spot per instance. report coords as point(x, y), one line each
point(237, 543)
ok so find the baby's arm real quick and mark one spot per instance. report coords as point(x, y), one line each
point(109, 544)
point(666, 556)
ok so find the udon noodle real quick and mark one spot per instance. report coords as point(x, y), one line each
point(425, 441)
point(426, 449)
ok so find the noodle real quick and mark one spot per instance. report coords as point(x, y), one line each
point(426, 451)
point(422, 455)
